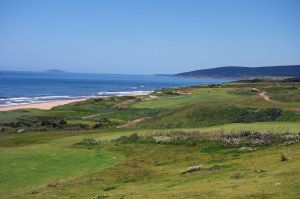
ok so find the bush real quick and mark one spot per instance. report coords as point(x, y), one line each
point(89, 141)
point(237, 175)
point(100, 197)
point(284, 157)
point(83, 126)
point(34, 192)
point(128, 139)
point(245, 140)
point(97, 125)
point(108, 188)
point(53, 123)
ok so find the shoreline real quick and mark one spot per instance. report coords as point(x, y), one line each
point(41, 106)
point(51, 104)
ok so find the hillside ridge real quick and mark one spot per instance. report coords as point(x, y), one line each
point(243, 72)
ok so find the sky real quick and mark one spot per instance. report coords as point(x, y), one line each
point(147, 37)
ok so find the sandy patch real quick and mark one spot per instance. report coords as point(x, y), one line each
point(132, 123)
point(42, 106)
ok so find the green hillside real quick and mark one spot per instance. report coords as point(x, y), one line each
point(235, 140)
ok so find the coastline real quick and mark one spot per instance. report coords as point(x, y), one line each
point(42, 105)
point(50, 104)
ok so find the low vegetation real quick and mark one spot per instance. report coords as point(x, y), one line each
point(208, 141)
point(245, 139)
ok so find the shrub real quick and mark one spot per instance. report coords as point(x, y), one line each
point(246, 149)
point(2, 129)
point(53, 123)
point(237, 175)
point(108, 188)
point(100, 197)
point(257, 139)
point(161, 139)
point(34, 192)
point(62, 122)
point(89, 141)
point(54, 183)
point(246, 140)
point(97, 125)
point(128, 139)
point(83, 126)
point(284, 157)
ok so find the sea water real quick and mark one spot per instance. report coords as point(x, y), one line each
point(18, 88)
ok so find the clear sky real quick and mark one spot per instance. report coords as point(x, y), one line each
point(146, 37)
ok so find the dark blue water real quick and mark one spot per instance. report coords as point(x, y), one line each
point(33, 87)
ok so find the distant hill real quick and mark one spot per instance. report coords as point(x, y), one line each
point(245, 72)
point(55, 71)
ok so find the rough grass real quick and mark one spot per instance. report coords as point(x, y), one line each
point(52, 165)
point(201, 116)
point(147, 172)
point(236, 94)
point(198, 107)
point(231, 103)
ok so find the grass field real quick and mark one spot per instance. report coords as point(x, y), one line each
point(29, 167)
point(46, 160)
point(141, 170)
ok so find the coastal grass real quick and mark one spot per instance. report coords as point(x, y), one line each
point(202, 116)
point(227, 95)
point(51, 163)
point(142, 170)
point(19, 140)
point(188, 107)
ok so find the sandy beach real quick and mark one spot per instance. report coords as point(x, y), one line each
point(50, 105)
point(42, 106)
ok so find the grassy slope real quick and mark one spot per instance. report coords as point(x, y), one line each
point(49, 155)
point(204, 107)
point(214, 106)
point(217, 96)
point(30, 161)
point(146, 172)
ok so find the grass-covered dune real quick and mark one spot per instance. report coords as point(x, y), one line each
point(125, 147)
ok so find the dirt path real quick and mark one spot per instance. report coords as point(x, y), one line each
point(132, 123)
point(263, 94)
point(90, 116)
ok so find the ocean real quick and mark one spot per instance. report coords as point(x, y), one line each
point(19, 88)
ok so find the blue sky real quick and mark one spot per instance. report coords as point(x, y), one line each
point(146, 37)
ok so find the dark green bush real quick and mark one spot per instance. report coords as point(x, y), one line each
point(217, 142)
point(89, 141)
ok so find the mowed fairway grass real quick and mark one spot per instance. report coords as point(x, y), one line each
point(30, 167)
point(204, 95)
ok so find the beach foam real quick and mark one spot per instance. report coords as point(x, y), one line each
point(21, 101)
